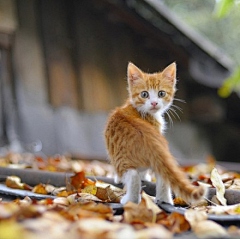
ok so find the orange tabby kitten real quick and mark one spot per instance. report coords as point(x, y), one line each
point(135, 141)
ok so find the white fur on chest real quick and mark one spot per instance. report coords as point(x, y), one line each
point(158, 116)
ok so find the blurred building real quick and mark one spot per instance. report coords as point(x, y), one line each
point(63, 67)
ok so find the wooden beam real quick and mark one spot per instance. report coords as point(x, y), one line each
point(58, 47)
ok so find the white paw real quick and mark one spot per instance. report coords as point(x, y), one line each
point(117, 179)
point(164, 199)
point(126, 198)
point(148, 177)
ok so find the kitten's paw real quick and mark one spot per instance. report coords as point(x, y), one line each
point(126, 199)
point(117, 179)
point(164, 199)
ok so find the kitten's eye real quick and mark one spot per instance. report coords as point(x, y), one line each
point(161, 93)
point(144, 94)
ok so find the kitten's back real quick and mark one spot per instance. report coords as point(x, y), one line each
point(134, 143)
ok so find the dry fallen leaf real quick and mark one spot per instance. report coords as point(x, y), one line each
point(137, 213)
point(202, 227)
point(151, 206)
point(90, 210)
point(224, 210)
point(108, 192)
point(209, 229)
point(180, 202)
point(61, 201)
point(233, 184)
point(218, 184)
point(15, 182)
point(154, 231)
point(175, 223)
point(39, 219)
point(40, 188)
point(194, 217)
point(79, 181)
point(98, 228)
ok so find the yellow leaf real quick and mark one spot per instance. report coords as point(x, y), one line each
point(237, 210)
point(91, 189)
point(11, 230)
point(40, 188)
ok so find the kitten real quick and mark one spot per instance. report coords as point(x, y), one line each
point(135, 141)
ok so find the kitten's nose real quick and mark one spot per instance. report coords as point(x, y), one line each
point(154, 103)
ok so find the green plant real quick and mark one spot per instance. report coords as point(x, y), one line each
point(222, 8)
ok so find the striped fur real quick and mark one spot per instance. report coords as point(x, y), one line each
point(134, 139)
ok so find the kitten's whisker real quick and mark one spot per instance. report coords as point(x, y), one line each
point(180, 100)
point(170, 112)
point(175, 113)
point(177, 107)
point(170, 119)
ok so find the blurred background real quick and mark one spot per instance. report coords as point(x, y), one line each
point(63, 68)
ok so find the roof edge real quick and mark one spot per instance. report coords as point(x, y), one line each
point(197, 38)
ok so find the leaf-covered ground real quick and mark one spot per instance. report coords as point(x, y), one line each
point(81, 208)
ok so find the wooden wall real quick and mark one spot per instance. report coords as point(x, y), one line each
point(86, 51)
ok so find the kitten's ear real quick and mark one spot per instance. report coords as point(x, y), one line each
point(133, 73)
point(170, 72)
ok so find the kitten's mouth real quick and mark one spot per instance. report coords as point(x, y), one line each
point(155, 109)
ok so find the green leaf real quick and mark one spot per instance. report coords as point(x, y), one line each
point(230, 84)
point(222, 7)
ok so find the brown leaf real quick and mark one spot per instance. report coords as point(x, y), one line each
point(176, 223)
point(91, 210)
point(86, 197)
point(40, 188)
point(137, 213)
point(79, 181)
point(180, 202)
point(108, 192)
point(150, 204)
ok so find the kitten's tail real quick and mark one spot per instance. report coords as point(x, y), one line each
point(171, 173)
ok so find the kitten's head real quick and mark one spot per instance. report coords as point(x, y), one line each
point(150, 93)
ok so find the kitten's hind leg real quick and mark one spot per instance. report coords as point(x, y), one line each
point(117, 179)
point(133, 183)
point(163, 191)
point(145, 175)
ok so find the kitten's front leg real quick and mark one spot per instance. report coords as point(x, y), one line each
point(145, 175)
point(163, 191)
point(117, 179)
point(133, 183)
